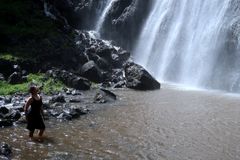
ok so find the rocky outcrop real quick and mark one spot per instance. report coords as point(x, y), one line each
point(104, 60)
point(138, 78)
point(122, 24)
point(70, 79)
point(125, 20)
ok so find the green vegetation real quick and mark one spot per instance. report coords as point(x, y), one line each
point(48, 85)
point(8, 57)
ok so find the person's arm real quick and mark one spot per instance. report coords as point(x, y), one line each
point(41, 109)
point(28, 103)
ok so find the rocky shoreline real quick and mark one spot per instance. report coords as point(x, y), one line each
point(65, 106)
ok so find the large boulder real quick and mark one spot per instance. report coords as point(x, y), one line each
point(92, 72)
point(15, 78)
point(138, 78)
point(70, 79)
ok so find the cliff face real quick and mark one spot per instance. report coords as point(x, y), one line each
point(122, 24)
point(26, 32)
point(124, 21)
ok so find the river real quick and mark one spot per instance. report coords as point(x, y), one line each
point(168, 124)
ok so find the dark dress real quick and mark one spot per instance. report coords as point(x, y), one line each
point(34, 116)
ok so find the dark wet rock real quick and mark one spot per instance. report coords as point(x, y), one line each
point(65, 116)
point(5, 123)
point(54, 112)
point(58, 98)
point(70, 79)
point(74, 100)
point(117, 75)
point(46, 105)
point(104, 96)
point(13, 115)
point(109, 94)
point(6, 67)
point(24, 73)
point(17, 68)
point(16, 78)
point(2, 78)
point(138, 78)
point(91, 71)
point(99, 98)
point(8, 100)
point(104, 54)
point(5, 150)
point(125, 20)
point(72, 113)
point(76, 92)
point(4, 110)
point(120, 84)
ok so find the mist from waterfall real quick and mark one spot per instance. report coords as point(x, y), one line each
point(189, 42)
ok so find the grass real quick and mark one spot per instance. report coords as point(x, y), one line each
point(49, 85)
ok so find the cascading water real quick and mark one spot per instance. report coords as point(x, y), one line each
point(191, 42)
point(103, 15)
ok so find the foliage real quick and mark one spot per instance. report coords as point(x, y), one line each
point(6, 88)
point(48, 85)
point(8, 57)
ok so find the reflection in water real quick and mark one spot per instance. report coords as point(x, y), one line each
point(164, 124)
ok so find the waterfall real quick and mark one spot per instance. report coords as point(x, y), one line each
point(191, 42)
point(103, 15)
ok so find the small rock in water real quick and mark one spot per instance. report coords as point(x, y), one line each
point(58, 98)
point(8, 100)
point(74, 100)
point(76, 92)
point(104, 95)
point(5, 150)
point(5, 123)
point(65, 116)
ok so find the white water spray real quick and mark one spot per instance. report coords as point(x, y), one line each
point(186, 41)
point(102, 18)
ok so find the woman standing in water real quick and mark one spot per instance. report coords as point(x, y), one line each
point(34, 114)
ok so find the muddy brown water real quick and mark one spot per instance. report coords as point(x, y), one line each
point(168, 124)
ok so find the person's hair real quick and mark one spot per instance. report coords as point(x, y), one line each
point(32, 88)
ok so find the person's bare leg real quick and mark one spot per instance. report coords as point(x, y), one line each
point(41, 134)
point(31, 134)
